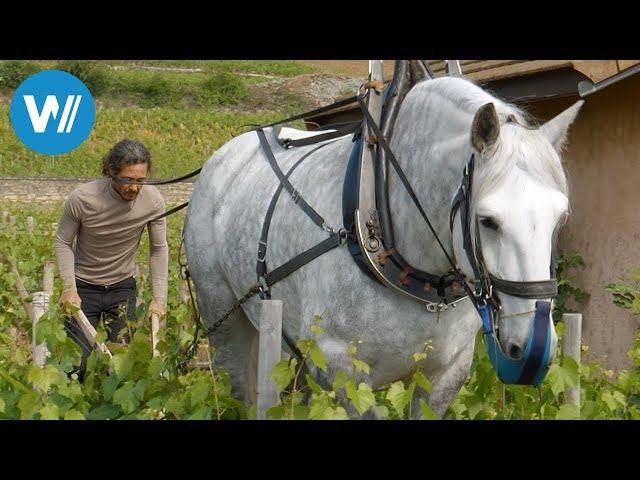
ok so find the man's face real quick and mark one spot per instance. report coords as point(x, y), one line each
point(131, 172)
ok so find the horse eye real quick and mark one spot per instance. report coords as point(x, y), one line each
point(489, 223)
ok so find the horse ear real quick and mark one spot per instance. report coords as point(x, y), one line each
point(485, 128)
point(556, 129)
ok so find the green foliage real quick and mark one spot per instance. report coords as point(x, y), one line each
point(131, 384)
point(626, 292)
point(222, 88)
point(601, 396)
point(134, 384)
point(180, 141)
point(567, 290)
point(14, 72)
point(182, 117)
point(151, 84)
point(93, 74)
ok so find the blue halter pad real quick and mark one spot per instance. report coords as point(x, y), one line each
point(534, 364)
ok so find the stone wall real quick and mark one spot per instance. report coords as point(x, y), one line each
point(53, 191)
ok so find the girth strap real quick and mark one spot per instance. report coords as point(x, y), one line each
point(284, 270)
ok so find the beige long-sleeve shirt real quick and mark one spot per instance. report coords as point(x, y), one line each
point(107, 231)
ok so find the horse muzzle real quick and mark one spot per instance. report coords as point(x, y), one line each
point(534, 364)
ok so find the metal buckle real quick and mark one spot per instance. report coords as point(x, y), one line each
point(263, 285)
point(328, 229)
point(295, 195)
point(344, 235)
point(264, 244)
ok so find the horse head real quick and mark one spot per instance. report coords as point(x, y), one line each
point(517, 203)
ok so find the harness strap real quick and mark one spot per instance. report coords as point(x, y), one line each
point(328, 108)
point(297, 198)
point(407, 185)
point(301, 142)
point(169, 212)
point(284, 270)
point(261, 265)
point(156, 182)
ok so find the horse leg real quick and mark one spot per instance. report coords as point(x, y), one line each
point(235, 341)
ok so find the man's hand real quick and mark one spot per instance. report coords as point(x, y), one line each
point(155, 307)
point(69, 297)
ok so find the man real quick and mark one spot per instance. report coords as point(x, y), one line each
point(107, 217)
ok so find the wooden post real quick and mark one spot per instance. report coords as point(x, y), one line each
point(12, 224)
point(155, 328)
point(54, 229)
point(47, 281)
point(90, 332)
point(571, 348)
point(22, 292)
point(30, 225)
point(39, 305)
point(269, 353)
point(5, 216)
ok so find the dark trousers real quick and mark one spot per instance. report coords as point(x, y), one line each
point(115, 304)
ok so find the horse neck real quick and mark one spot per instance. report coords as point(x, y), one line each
point(431, 143)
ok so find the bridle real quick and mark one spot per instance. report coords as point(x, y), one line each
point(532, 367)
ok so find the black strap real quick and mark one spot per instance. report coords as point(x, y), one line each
point(169, 212)
point(321, 137)
point(405, 182)
point(284, 270)
point(157, 182)
point(328, 108)
point(261, 266)
point(297, 198)
point(540, 289)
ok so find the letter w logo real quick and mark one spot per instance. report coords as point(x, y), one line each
point(39, 120)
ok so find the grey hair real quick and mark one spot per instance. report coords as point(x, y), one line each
point(125, 152)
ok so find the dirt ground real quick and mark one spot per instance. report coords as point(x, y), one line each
point(334, 80)
point(352, 68)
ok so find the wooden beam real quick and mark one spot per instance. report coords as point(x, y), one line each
point(596, 70)
point(624, 64)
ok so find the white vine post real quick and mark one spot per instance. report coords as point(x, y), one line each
point(571, 348)
point(269, 354)
point(39, 305)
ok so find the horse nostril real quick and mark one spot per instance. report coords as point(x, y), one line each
point(515, 351)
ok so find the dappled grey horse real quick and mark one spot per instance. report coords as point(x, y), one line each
point(520, 197)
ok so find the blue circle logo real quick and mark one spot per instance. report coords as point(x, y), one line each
point(52, 112)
